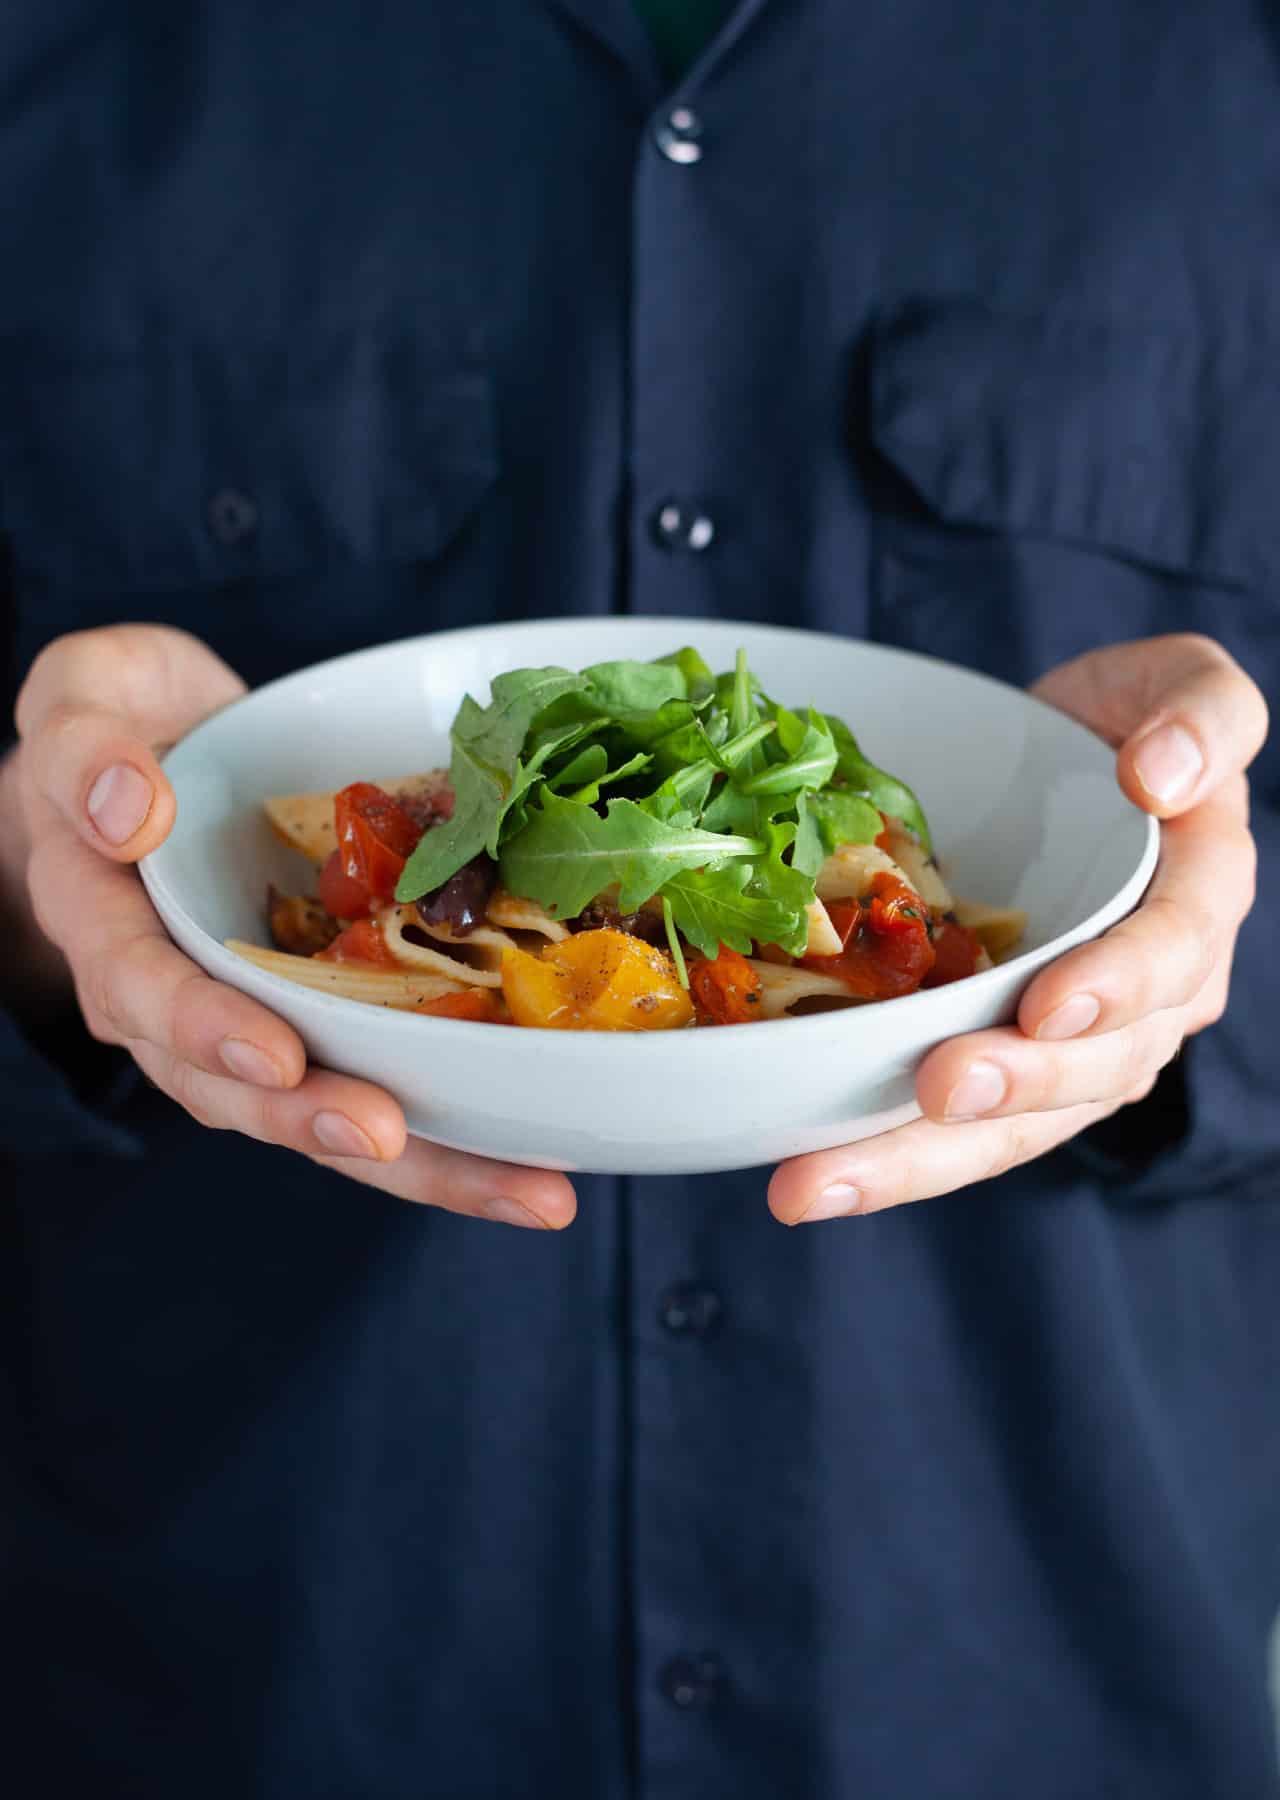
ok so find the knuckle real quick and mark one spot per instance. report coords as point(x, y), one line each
point(1245, 881)
point(189, 1087)
point(41, 886)
point(893, 1185)
point(1210, 1007)
point(181, 1009)
point(1190, 939)
point(263, 1119)
point(1138, 1065)
point(1013, 1149)
point(114, 979)
point(40, 676)
point(54, 671)
point(1197, 646)
point(102, 998)
point(1210, 1013)
point(96, 1022)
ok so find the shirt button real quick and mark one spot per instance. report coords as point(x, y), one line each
point(678, 134)
point(679, 528)
point(688, 1309)
point(232, 516)
point(692, 1683)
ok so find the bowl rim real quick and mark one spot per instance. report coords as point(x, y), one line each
point(1112, 910)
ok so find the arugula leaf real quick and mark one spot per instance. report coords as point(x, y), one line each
point(688, 743)
point(441, 852)
point(790, 886)
point(808, 850)
point(699, 681)
point(716, 906)
point(484, 772)
point(727, 685)
point(884, 791)
point(494, 735)
point(568, 854)
point(843, 818)
point(684, 791)
point(729, 809)
point(527, 776)
point(811, 756)
point(742, 709)
point(587, 764)
point(634, 687)
point(589, 792)
point(737, 749)
point(644, 729)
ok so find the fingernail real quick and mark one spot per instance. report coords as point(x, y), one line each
point(247, 1063)
point(510, 1212)
point(981, 1087)
point(341, 1136)
point(119, 802)
point(1168, 763)
point(834, 1202)
point(1071, 1018)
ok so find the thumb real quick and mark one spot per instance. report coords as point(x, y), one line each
point(90, 712)
point(1183, 715)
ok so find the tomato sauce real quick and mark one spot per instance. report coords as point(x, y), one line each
point(887, 951)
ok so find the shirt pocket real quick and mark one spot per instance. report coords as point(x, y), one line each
point(187, 471)
point(1046, 485)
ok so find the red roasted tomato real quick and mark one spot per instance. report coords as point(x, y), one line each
point(375, 839)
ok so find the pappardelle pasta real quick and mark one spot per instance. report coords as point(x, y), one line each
point(635, 847)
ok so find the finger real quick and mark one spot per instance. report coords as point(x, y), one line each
point(160, 679)
point(998, 1074)
point(314, 1118)
point(476, 1186)
point(325, 1114)
point(1163, 954)
point(90, 713)
point(916, 1162)
point(1182, 712)
point(135, 984)
point(87, 770)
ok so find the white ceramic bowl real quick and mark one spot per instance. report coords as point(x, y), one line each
point(1023, 805)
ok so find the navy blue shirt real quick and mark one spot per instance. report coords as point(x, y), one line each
point(957, 322)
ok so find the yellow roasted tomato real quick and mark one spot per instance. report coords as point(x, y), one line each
point(595, 981)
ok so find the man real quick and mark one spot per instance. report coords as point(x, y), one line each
point(946, 323)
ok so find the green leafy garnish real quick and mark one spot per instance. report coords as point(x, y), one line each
point(884, 791)
point(673, 943)
point(722, 906)
point(722, 804)
point(568, 853)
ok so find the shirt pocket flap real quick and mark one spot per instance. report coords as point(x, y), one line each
point(176, 469)
point(1118, 439)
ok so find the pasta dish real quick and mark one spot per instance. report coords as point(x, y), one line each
point(633, 847)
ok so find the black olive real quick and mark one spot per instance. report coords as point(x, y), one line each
point(460, 903)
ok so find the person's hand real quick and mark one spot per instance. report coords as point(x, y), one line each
point(1095, 1028)
point(91, 799)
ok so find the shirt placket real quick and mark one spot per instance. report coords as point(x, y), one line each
point(720, 445)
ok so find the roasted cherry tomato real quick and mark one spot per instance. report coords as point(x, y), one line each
point(845, 915)
point(725, 988)
point(375, 838)
point(955, 950)
point(887, 951)
point(481, 1004)
point(361, 942)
